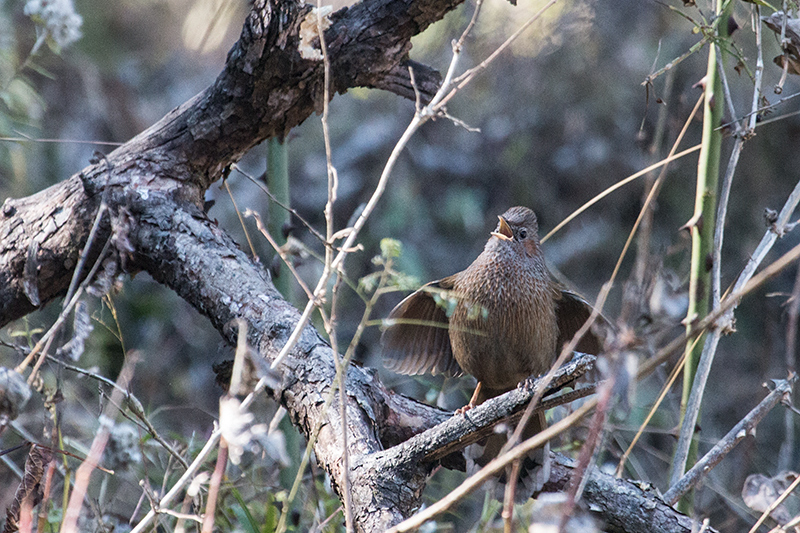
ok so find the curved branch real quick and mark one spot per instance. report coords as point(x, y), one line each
point(265, 89)
point(184, 250)
point(625, 506)
point(153, 187)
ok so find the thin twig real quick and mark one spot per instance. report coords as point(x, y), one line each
point(616, 186)
point(321, 287)
point(312, 440)
point(653, 191)
point(428, 112)
point(272, 197)
point(787, 447)
point(776, 230)
point(213, 487)
point(241, 220)
point(337, 381)
point(106, 423)
point(779, 87)
point(727, 90)
point(325, 522)
point(44, 343)
point(696, 47)
point(753, 115)
point(728, 303)
point(27, 138)
point(588, 450)
point(70, 300)
point(778, 118)
point(133, 403)
point(467, 76)
point(494, 467)
point(676, 370)
point(589, 447)
point(85, 253)
point(745, 427)
point(472, 21)
point(712, 341)
point(184, 480)
point(333, 185)
point(642, 258)
point(280, 251)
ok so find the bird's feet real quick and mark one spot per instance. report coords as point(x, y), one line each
point(472, 401)
point(529, 384)
point(462, 410)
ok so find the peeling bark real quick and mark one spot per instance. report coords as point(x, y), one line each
point(624, 506)
point(265, 89)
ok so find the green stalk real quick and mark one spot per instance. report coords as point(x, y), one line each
point(278, 184)
point(703, 221)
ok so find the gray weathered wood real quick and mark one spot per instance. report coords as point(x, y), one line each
point(154, 186)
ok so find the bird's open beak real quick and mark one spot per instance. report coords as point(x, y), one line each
point(504, 232)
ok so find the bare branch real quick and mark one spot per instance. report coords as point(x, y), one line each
point(258, 95)
point(741, 430)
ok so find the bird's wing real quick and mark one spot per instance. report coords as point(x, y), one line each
point(572, 311)
point(419, 340)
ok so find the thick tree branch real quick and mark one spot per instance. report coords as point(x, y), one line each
point(459, 431)
point(624, 506)
point(190, 254)
point(181, 248)
point(186, 251)
point(265, 89)
point(153, 187)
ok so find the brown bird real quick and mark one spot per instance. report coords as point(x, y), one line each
point(502, 320)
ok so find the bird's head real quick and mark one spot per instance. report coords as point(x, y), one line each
point(518, 229)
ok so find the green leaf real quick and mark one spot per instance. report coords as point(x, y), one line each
point(243, 513)
point(391, 248)
point(761, 3)
point(369, 282)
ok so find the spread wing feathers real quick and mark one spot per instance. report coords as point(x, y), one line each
point(572, 311)
point(418, 341)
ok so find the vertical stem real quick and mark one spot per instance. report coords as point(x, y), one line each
point(214, 485)
point(788, 445)
point(278, 185)
point(702, 228)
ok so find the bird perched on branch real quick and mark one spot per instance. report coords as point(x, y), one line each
point(502, 320)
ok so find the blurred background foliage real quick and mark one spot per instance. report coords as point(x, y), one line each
point(562, 115)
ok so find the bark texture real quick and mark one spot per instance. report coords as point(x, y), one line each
point(624, 506)
point(153, 188)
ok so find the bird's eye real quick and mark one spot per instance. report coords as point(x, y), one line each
point(523, 233)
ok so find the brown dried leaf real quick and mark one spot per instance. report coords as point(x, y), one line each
point(793, 66)
point(759, 492)
point(784, 479)
point(775, 22)
point(29, 492)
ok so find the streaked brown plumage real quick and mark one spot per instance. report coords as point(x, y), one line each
point(501, 320)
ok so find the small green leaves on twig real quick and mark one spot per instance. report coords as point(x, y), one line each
point(394, 280)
